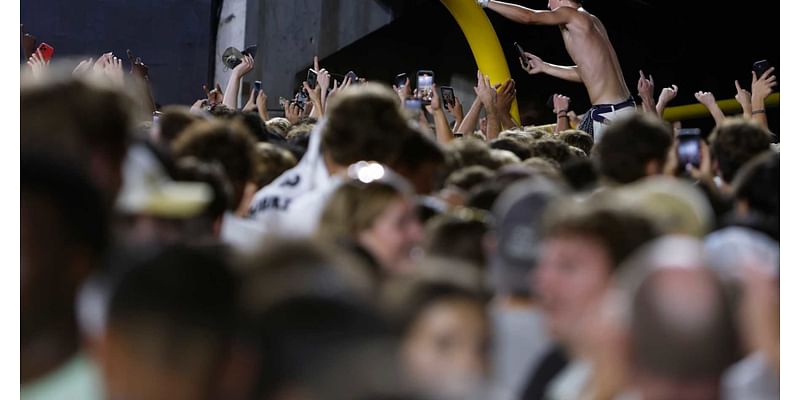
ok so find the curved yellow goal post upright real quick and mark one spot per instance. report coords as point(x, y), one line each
point(483, 42)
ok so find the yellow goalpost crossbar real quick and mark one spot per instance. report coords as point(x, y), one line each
point(483, 42)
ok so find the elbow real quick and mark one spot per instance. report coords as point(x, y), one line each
point(530, 19)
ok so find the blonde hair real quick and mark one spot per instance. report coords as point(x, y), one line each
point(354, 207)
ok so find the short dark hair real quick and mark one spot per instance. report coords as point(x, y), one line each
point(579, 139)
point(71, 117)
point(364, 122)
point(758, 182)
point(553, 149)
point(474, 152)
point(226, 143)
point(173, 121)
point(171, 294)
point(458, 238)
point(519, 149)
point(618, 230)
point(629, 144)
point(735, 142)
point(469, 177)
point(84, 216)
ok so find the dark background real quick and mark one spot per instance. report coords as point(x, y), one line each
point(696, 45)
point(172, 36)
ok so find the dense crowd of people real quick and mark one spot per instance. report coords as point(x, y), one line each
point(355, 247)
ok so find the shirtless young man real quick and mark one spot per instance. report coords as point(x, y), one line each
point(587, 43)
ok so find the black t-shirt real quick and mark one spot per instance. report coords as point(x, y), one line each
point(551, 365)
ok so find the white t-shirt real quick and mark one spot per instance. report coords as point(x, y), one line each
point(520, 341)
point(292, 203)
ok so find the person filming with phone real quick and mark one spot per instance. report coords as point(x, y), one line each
point(596, 63)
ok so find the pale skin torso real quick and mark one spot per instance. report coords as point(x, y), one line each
point(587, 42)
point(588, 45)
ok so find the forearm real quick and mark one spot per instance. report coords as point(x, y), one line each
point(232, 92)
point(457, 124)
point(660, 107)
point(470, 122)
point(649, 106)
point(747, 111)
point(760, 115)
point(443, 132)
point(567, 73)
point(562, 122)
point(316, 111)
point(264, 114)
point(514, 12)
point(716, 113)
point(492, 124)
point(149, 102)
point(506, 122)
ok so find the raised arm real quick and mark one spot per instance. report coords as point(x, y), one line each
point(707, 99)
point(505, 98)
point(744, 98)
point(645, 87)
point(232, 90)
point(470, 122)
point(667, 94)
point(488, 96)
point(535, 65)
point(442, 127)
point(762, 87)
point(561, 108)
point(524, 15)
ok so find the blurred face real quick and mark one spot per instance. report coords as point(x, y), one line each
point(393, 234)
point(446, 349)
point(572, 276)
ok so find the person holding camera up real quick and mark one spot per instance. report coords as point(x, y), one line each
point(596, 63)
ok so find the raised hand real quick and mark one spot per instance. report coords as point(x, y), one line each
point(251, 102)
point(762, 86)
point(114, 72)
point(138, 67)
point(560, 103)
point(214, 96)
point(261, 104)
point(436, 100)
point(102, 61)
point(705, 98)
point(560, 108)
point(667, 95)
point(488, 96)
point(486, 93)
point(506, 96)
point(83, 67)
point(315, 95)
point(28, 44)
point(645, 87)
point(247, 65)
point(293, 111)
point(535, 64)
point(456, 110)
point(744, 98)
point(38, 64)
point(403, 92)
point(338, 88)
point(200, 104)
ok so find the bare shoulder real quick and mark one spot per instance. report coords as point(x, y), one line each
point(576, 18)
